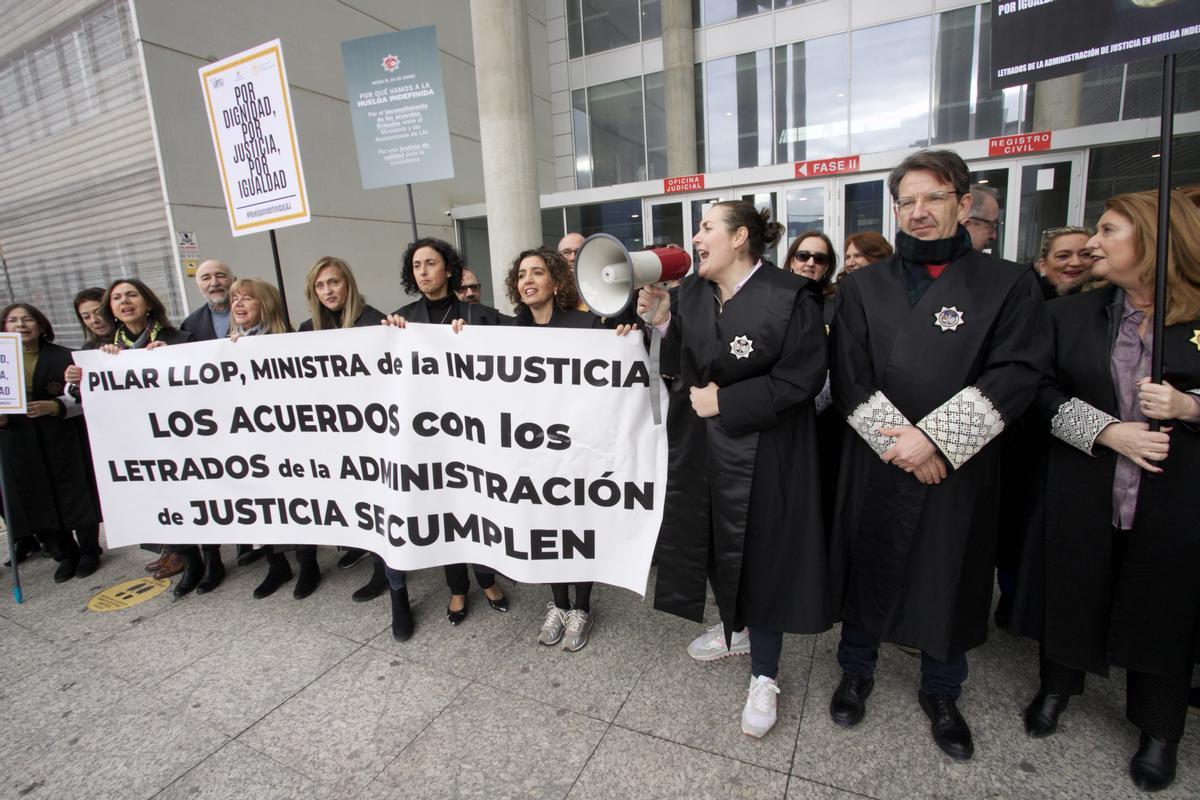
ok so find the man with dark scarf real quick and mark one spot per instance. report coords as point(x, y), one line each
point(933, 352)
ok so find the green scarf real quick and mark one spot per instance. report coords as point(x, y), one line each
point(124, 340)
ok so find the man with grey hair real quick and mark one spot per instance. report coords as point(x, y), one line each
point(211, 320)
point(932, 352)
point(983, 220)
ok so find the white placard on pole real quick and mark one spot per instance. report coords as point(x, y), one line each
point(254, 135)
point(12, 374)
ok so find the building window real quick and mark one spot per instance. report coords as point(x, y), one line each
point(651, 19)
point(740, 128)
point(724, 10)
point(620, 218)
point(812, 98)
point(964, 105)
point(1133, 167)
point(617, 132)
point(1143, 86)
point(891, 113)
point(583, 150)
point(594, 26)
point(656, 126)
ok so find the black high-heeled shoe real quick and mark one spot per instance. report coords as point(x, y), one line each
point(497, 605)
point(456, 617)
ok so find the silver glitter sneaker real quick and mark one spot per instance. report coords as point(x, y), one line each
point(552, 629)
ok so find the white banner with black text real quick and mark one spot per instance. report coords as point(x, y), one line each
point(529, 451)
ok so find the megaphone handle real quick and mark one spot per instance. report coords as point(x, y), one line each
point(648, 317)
point(655, 374)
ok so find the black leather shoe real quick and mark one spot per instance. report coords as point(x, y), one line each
point(497, 605)
point(351, 557)
point(66, 570)
point(849, 703)
point(402, 618)
point(88, 564)
point(1041, 716)
point(1153, 765)
point(193, 572)
point(247, 555)
point(374, 587)
point(949, 729)
point(279, 574)
point(214, 572)
point(309, 580)
point(456, 617)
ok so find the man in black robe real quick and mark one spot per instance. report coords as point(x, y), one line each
point(934, 350)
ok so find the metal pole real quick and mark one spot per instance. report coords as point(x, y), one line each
point(1163, 242)
point(11, 535)
point(412, 212)
point(279, 278)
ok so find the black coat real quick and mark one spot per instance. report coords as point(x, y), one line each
point(743, 494)
point(473, 313)
point(46, 467)
point(366, 318)
point(1142, 613)
point(571, 318)
point(913, 563)
point(199, 324)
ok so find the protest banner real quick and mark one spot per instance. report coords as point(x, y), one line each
point(12, 374)
point(254, 135)
point(534, 454)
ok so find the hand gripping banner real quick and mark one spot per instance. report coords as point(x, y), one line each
point(530, 452)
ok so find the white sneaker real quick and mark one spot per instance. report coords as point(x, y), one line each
point(759, 713)
point(710, 645)
point(554, 625)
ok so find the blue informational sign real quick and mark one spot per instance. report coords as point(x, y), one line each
point(394, 84)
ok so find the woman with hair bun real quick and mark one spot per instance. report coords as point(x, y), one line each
point(743, 504)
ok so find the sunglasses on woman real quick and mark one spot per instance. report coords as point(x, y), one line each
point(820, 259)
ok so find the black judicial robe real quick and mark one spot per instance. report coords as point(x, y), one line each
point(473, 313)
point(46, 460)
point(1091, 613)
point(912, 563)
point(743, 491)
point(560, 318)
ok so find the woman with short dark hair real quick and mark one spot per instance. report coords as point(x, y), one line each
point(811, 255)
point(433, 269)
point(50, 491)
point(863, 248)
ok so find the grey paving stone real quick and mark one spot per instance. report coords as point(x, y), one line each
point(629, 764)
point(800, 789)
point(460, 650)
point(596, 680)
point(891, 753)
point(237, 772)
point(349, 724)
point(700, 704)
point(492, 744)
point(242, 681)
point(72, 730)
point(23, 652)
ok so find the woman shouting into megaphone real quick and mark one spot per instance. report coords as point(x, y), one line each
point(743, 507)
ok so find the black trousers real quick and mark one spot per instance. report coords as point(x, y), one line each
point(460, 583)
point(1155, 703)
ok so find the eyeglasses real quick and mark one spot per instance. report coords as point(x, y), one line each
point(820, 259)
point(932, 200)
point(994, 224)
point(469, 287)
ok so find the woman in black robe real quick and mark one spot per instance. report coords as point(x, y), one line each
point(49, 489)
point(743, 491)
point(1114, 572)
point(433, 269)
point(334, 301)
point(541, 287)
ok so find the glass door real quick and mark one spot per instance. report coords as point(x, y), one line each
point(1048, 192)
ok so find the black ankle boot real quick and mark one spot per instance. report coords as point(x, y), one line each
point(279, 573)
point(374, 587)
point(89, 550)
point(1041, 716)
point(66, 569)
point(402, 618)
point(193, 572)
point(214, 572)
point(1152, 767)
point(247, 555)
point(310, 573)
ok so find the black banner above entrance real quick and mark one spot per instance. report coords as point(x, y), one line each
point(1033, 40)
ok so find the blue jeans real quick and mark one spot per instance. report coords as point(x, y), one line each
point(858, 652)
